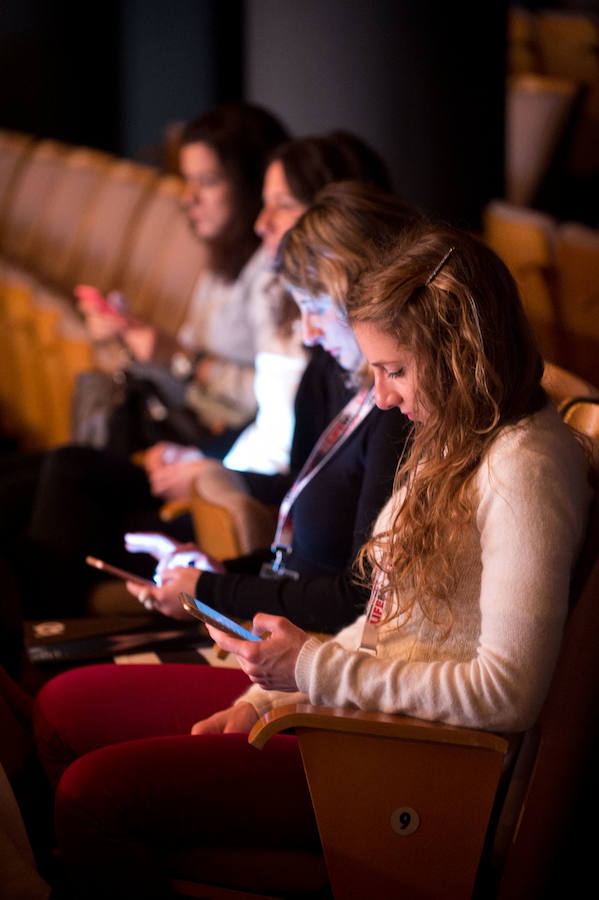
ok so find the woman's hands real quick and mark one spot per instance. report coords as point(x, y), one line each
point(140, 340)
point(172, 469)
point(164, 453)
point(177, 571)
point(169, 553)
point(107, 318)
point(174, 481)
point(271, 662)
point(165, 599)
point(237, 719)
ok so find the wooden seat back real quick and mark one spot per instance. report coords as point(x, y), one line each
point(14, 149)
point(63, 219)
point(577, 255)
point(103, 241)
point(29, 198)
point(525, 240)
point(540, 113)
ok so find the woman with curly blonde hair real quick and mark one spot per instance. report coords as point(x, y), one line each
point(455, 306)
point(470, 560)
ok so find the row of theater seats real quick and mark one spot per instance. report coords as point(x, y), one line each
point(556, 265)
point(71, 215)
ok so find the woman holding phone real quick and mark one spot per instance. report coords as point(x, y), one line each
point(469, 566)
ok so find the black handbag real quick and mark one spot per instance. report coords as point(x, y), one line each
point(152, 409)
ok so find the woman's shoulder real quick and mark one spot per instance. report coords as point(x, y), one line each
point(543, 432)
point(539, 451)
point(324, 376)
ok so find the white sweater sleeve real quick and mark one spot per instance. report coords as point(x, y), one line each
point(229, 378)
point(533, 495)
point(531, 518)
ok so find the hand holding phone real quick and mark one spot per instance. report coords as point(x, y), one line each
point(170, 554)
point(113, 304)
point(212, 617)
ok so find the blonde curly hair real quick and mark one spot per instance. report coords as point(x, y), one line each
point(448, 298)
point(330, 245)
point(332, 242)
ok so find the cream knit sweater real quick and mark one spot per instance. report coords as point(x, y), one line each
point(494, 668)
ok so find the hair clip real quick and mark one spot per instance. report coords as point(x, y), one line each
point(438, 268)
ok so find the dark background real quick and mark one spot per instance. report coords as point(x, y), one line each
point(422, 80)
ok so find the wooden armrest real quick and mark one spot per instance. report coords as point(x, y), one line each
point(172, 509)
point(425, 797)
point(305, 715)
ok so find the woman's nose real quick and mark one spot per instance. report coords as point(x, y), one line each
point(188, 195)
point(261, 223)
point(311, 328)
point(385, 395)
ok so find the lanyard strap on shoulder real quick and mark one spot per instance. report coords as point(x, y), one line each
point(344, 424)
point(374, 613)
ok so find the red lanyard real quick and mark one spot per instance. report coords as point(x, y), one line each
point(374, 613)
point(344, 424)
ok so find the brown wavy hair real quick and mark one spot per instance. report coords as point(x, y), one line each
point(312, 162)
point(453, 303)
point(331, 243)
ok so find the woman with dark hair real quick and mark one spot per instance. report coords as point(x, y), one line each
point(221, 131)
point(231, 316)
point(310, 163)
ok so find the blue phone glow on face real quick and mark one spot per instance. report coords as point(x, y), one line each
point(239, 630)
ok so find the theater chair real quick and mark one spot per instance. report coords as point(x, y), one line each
point(540, 115)
point(409, 808)
point(105, 232)
point(20, 875)
point(562, 386)
point(525, 240)
point(14, 150)
point(29, 197)
point(55, 238)
point(577, 251)
point(227, 521)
